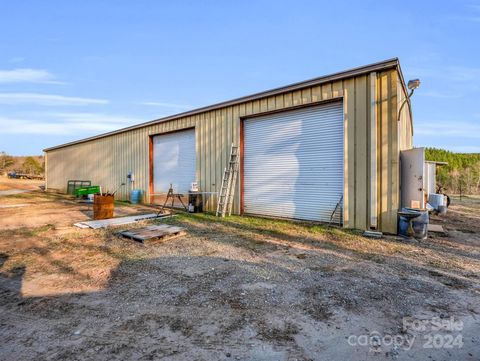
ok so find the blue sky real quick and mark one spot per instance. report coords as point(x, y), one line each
point(73, 69)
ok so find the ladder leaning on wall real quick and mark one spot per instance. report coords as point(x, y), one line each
point(225, 198)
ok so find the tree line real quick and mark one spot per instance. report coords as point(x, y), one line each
point(28, 165)
point(462, 173)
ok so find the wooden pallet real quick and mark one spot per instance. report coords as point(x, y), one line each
point(157, 232)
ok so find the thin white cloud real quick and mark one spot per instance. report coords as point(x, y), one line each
point(65, 124)
point(46, 99)
point(27, 76)
point(448, 129)
point(165, 105)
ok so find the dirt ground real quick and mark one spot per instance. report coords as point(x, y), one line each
point(239, 288)
point(24, 184)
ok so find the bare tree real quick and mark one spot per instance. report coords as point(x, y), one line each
point(5, 160)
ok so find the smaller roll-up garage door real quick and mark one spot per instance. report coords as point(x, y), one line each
point(174, 161)
point(293, 163)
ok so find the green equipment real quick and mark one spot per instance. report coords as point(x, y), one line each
point(75, 184)
point(87, 190)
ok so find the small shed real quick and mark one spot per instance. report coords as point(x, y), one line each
point(430, 176)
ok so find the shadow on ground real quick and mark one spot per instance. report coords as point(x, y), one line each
point(244, 288)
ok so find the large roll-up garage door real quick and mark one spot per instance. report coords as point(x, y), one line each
point(293, 163)
point(174, 161)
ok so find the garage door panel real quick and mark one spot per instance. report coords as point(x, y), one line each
point(293, 163)
point(174, 161)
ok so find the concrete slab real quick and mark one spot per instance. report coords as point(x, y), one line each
point(104, 223)
point(13, 205)
point(11, 192)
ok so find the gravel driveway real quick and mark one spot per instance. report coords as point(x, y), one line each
point(241, 288)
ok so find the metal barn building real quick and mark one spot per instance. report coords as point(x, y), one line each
point(302, 148)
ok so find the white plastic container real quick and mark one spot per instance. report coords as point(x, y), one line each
point(436, 200)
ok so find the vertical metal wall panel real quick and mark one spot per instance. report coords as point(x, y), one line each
point(388, 151)
point(349, 171)
point(361, 152)
point(174, 159)
point(293, 163)
point(373, 189)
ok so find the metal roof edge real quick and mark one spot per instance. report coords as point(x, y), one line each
point(382, 65)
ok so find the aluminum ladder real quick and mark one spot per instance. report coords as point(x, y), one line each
point(225, 199)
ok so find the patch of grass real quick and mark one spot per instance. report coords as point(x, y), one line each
point(26, 231)
point(62, 266)
point(263, 225)
point(45, 228)
point(245, 231)
point(68, 253)
point(319, 235)
point(17, 262)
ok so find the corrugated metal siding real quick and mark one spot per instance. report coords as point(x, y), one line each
point(106, 161)
point(389, 154)
point(293, 163)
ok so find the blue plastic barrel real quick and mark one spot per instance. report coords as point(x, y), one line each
point(135, 196)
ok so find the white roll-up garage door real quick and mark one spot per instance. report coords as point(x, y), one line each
point(293, 163)
point(174, 161)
